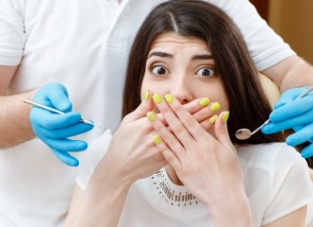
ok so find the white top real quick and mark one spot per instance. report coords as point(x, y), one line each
point(84, 45)
point(277, 182)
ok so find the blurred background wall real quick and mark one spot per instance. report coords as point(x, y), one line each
point(292, 20)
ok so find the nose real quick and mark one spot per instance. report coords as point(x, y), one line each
point(182, 90)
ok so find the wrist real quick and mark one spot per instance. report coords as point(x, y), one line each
point(110, 174)
point(235, 213)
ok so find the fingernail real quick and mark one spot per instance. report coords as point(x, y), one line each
point(213, 119)
point(147, 95)
point(204, 102)
point(156, 140)
point(225, 116)
point(215, 106)
point(157, 98)
point(169, 98)
point(151, 116)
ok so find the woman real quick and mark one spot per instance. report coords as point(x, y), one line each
point(194, 174)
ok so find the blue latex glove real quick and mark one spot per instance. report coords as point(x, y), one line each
point(293, 114)
point(54, 129)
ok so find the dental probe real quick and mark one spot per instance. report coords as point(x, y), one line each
point(57, 111)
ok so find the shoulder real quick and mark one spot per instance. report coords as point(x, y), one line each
point(274, 162)
point(275, 165)
point(12, 37)
point(269, 156)
point(274, 172)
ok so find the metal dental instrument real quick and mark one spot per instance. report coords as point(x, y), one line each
point(245, 133)
point(57, 111)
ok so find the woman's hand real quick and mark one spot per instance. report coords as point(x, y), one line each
point(132, 149)
point(131, 155)
point(207, 166)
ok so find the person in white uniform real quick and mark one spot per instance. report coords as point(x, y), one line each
point(84, 46)
point(184, 51)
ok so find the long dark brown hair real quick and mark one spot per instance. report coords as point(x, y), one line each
point(248, 104)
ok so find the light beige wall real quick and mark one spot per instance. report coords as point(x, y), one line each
point(293, 20)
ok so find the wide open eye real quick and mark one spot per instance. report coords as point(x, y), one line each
point(159, 70)
point(206, 71)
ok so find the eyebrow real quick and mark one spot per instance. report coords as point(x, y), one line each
point(202, 57)
point(160, 54)
point(167, 55)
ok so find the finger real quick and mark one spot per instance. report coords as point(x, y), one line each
point(70, 131)
point(176, 125)
point(196, 105)
point(168, 154)
point(221, 131)
point(289, 96)
point(66, 145)
point(301, 136)
point(207, 112)
point(53, 121)
point(169, 139)
point(295, 122)
point(60, 100)
point(54, 95)
point(66, 158)
point(307, 152)
point(206, 124)
point(292, 109)
point(273, 128)
point(201, 109)
point(180, 121)
point(298, 128)
point(145, 106)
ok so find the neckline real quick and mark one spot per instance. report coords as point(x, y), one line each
point(172, 193)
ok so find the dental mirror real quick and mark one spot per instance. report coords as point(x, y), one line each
point(245, 133)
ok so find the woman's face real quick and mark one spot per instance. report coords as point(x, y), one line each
point(183, 67)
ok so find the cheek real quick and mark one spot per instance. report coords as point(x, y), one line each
point(223, 100)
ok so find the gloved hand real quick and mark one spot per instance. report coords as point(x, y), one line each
point(296, 114)
point(54, 129)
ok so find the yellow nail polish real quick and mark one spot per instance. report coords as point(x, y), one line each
point(204, 102)
point(169, 98)
point(215, 106)
point(213, 119)
point(156, 140)
point(225, 116)
point(147, 95)
point(151, 116)
point(157, 98)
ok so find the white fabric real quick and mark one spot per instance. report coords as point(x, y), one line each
point(277, 182)
point(83, 45)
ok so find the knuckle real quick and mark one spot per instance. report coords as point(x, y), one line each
point(171, 141)
point(187, 122)
point(177, 127)
point(144, 129)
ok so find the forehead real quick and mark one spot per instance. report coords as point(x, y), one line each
point(171, 40)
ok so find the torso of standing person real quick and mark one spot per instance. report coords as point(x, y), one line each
point(83, 45)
